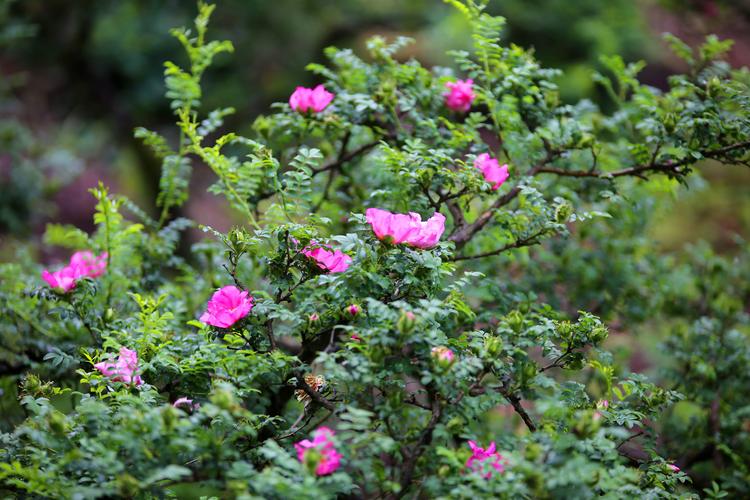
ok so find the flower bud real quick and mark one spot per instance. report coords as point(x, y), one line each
point(443, 357)
point(353, 309)
point(493, 346)
point(314, 317)
point(515, 320)
point(563, 211)
point(406, 322)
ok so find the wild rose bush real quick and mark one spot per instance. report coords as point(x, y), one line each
point(415, 305)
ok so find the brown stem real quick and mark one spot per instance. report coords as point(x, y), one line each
point(315, 395)
point(407, 471)
point(639, 170)
point(522, 242)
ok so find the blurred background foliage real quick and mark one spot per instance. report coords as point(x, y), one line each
point(78, 77)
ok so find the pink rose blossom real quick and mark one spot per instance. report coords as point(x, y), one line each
point(460, 95)
point(304, 99)
point(88, 264)
point(476, 461)
point(406, 228)
point(63, 280)
point(186, 403)
point(329, 459)
point(227, 306)
point(330, 260)
point(353, 309)
point(491, 170)
point(123, 369)
point(82, 264)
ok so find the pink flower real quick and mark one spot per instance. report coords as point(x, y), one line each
point(123, 369)
point(187, 403)
point(82, 264)
point(314, 317)
point(227, 306)
point(328, 459)
point(304, 99)
point(330, 260)
point(491, 169)
point(460, 95)
point(87, 264)
point(443, 354)
point(476, 461)
point(406, 228)
point(353, 309)
point(63, 280)
point(356, 338)
point(673, 467)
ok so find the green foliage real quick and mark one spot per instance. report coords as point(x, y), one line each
point(519, 289)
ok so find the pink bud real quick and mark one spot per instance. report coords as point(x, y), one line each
point(314, 317)
point(443, 356)
point(353, 309)
point(673, 467)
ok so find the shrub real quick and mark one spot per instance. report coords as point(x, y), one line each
point(402, 311)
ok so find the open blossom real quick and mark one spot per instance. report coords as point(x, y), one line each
point(187, 403)
point(406, 228)
point(227, 306)
point(328, 459)
point(63, 280)
point(304, 99)
point(123, 370)
point(491, 170)
point(482, 459)
point(88, 264)
point(333, 261)
point(82, 264)
point(460, 95)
